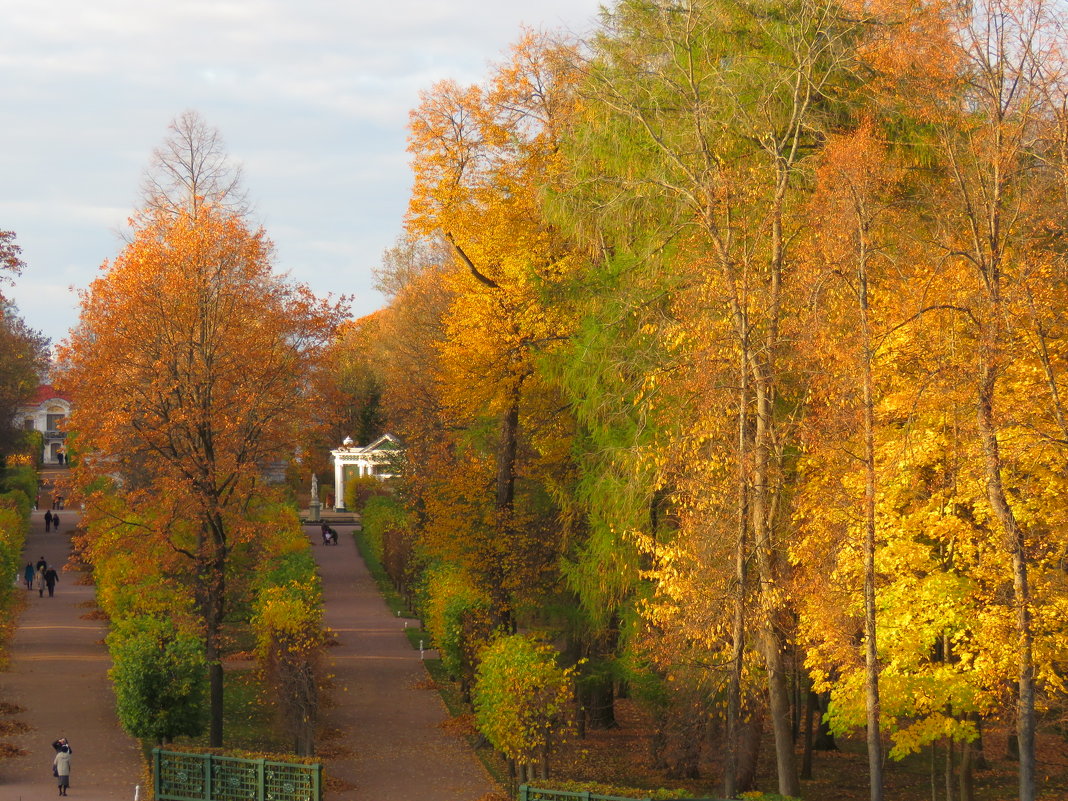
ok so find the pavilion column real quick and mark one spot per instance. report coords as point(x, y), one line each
point(339, 484)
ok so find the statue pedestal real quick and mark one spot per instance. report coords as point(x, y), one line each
point(313, 511)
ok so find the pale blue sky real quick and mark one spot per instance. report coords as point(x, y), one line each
point(311, 97)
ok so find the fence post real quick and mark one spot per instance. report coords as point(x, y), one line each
point(261, 791)
point(207, 777)
point(585, 795)
point(155, 773)
point(317, 781)
point(523, 795)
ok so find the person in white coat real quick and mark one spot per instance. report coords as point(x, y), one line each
point(61, 768)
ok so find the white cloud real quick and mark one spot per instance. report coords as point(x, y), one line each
point(311, 96)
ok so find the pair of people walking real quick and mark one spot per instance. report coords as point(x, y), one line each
point(51, 521)
point(40, 576)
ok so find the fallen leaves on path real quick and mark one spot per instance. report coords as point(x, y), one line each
point(460, 726)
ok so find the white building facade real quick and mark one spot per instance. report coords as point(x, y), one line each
point(46, 413)
point(353, 461)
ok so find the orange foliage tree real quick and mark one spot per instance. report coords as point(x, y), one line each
point(482, 155)
point(187, 370)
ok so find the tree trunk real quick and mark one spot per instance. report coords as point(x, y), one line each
point(824, 735)
point(1015, 544)
point(507, 447)
point(779, 708)
point(934, 770)
point(871, 653)
point(806, 733)
point(215, 693)
point(658, 742)
point(600, 704)
point(967, 773)
point(213, 589)
point(772, 643)
point(752, 736)
point(601, 695)
point(506, 451)
point(687, 766)
point(978, 751)
point(734, 689)
point(951, 753)
point(580, 712)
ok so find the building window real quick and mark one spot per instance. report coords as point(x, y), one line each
point(27, 424)
point(54, 420)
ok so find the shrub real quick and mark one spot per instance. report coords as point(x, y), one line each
point(160, 678)
point(360, 490)
point(289, 640)
point(15, 506)
point(522, 698)
point(287, 621)
point(619, 791)
point(388, 533)
point(457, 615)
point(381, 514)
point(21, 477)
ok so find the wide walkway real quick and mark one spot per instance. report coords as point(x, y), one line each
point(58, 675)
point(393, 747)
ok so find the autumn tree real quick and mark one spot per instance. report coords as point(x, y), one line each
point(23, 351)
point(411, 329)
point(700, 118)
point(23, 360)
point(481, 157)
point(773, 315)
point(349, 387)
point(521, 702)
point(192, 169)
point(849, 261)
point(1007, 61)
point(159, 679)
point(288, 623)
point(187, 369)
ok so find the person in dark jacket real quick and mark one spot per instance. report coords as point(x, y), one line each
point(51, 578)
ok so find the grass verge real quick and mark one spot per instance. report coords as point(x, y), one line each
point(392, 598)
point(248, 723)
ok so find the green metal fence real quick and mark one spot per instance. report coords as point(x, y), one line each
point(178, 776)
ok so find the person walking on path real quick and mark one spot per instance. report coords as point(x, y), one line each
point(61, 768)
point(48, 520)
point(27, 575)
point(56, 672)
point(39, 582)
point(51, 577)
point(55, 522)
